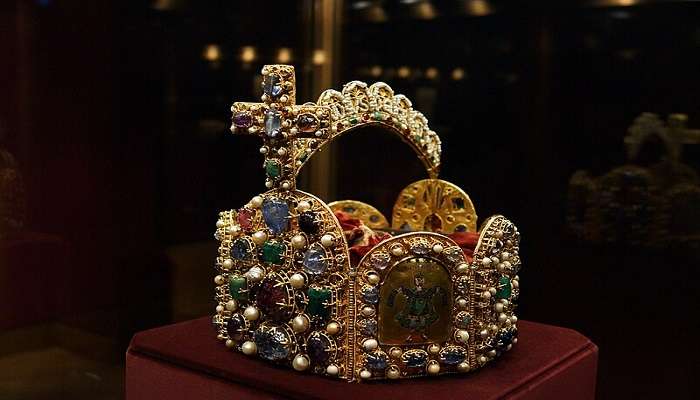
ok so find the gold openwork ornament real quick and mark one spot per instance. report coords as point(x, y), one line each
point(288, 290)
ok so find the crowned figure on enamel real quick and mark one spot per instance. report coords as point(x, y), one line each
point(337, 289)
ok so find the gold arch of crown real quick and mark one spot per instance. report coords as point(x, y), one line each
point(292, 133)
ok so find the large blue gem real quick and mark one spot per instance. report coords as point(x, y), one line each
point(415, 358)
point(315, 259)
point(272, 343)
point(452, 355)
point(240, 249)
point(271, 86)
point(276, 215)
point(273, 123)
point(235, 326)
point(370, 294)
point(377, 360)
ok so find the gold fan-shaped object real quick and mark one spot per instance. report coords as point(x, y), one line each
point(433, 205)
point(369, 215)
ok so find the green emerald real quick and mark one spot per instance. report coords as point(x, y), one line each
point(353, 120)
point(504, 288)
point(272, 168)
point(273, 252)
point(378, 116)
point(237, 287)
point(319, 299)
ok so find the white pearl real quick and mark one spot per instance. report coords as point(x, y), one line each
point(486, 294)
point(506, 264)
point(462, 336)
point(293, 131)
point(505, 256)
point(256, 201)
point(230, 343)
point(286, 185)
point(268, 184)
point(508, 322)
point(333, 328)
point(327, 240)
point(251, 313)
point(367, 311)
point(515, 340)
point(486, 262)
point(437, 248)
point(504, 301)
point(252, 129)
point(263, 150)
point(300, 323)
point(492, 353)
point(234, 230)
point(500, 267)
point(303, 206)
point(249, 348)
point(433, 349)
point(499, 307)
point(510, 346)
point(300, 363)
point(463, 367)
point(393, 373)
point(298, 241)
point(484, 333)
point(495, 260)
point(502, 317)
point(332, 370)
point(259, 237)
point(493, 291)
point(365, 374)
point(433, 368)
point(231, 305)
point(462, 268)
point(395, 352)
point(219, 280)
point(462, 303)
point(514, 319)
point(370, 344)
point(373, 279)
point(219, 309)
point(397, 251)
point(284, 98)
point(227, 264)
point(297, 281)
point(220, 224)
point(281, 151)
point(255, 274)
point(515, 284)
point(483, 359)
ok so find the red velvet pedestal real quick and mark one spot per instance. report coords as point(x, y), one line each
point(185, 361)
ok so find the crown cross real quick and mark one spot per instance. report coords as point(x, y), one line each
point(289, 131)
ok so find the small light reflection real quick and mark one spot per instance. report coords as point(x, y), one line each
point(319, 57)
point(375, 71)
point(478, 8)
point(248, 54)
point(403, 72)
point(284, 55)
point(212, 53)
point(432, 73)
point(458, 74)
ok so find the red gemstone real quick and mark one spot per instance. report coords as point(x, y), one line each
point(307, 123)
point(245, 218)
point(272, 300)
point(365, 117)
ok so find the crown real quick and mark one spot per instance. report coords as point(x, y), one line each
point(335, 289)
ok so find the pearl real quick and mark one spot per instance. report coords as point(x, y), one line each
point(437, 248)
point(256, 201)
point(462, 268)
point(397, 251)
point(333, 328)
point(505, 256)
point(492, 353)
point(219, 309)
point(493, 291)
point(484, 333)
point(500, 267)
point(505, 302)
point(433, 368)
point(230, 343)
point(255, 274)
point(303, 206)
point(463, 367)
point(515, 284)
point(515, 340)
point(508, 322)
point(332, 370)
point(514, 319)
point(395, 352)
point(367, 311)
point(433, 349)
point(284, 98)
point(251, 313)
point(263, 150)
point(249, 348)
point(286, 185)
point(298, 241)
point(462, 303)
point(234, 230)
point(486, 294)
point(373, 279)
point(252, 129)
point(393, 372)
point(293, 131)
point(370, 344)
point(220, 224)
point(483, 359)
point(365, 374)
point(499, 307)
point(231, 305)
point(268, 184)
point(297, 281)
point(502, 318)
point(495, 260)
point(259, 237)
point(282, 151)
point(327, 240)
point(462, 336)
point(486, 262)
point(219, 280)
point(300, 323)
point(300, 362)
point(510, 346)
point(318, 133)
point(227, 264)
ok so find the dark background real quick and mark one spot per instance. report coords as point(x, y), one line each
point(118, 121)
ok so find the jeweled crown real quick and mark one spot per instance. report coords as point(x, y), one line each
point(334, 289)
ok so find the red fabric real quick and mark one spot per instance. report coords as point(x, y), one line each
point(467, 241)
point(185, 361)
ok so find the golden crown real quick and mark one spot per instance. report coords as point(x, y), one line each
point(330, 288)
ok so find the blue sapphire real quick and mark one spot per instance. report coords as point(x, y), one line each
point(235, 326)
point(377, 361)
point(276, 215)
point(240, 249)
point(367, 327)
point(452, 355)
point(315, 262)
point(415, 358)
point(370, 294)
point(273, 122)
point(272, 86)
point(272, 343)
point(309, 223)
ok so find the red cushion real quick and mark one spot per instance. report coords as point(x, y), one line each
point(185, 361)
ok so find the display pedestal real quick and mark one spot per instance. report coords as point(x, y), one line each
point(185, 361)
